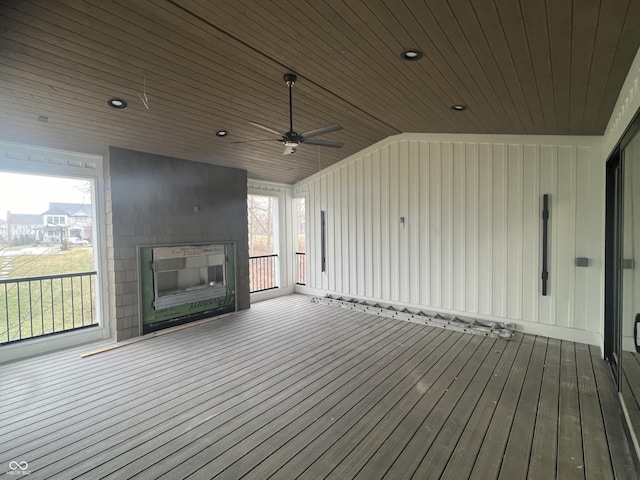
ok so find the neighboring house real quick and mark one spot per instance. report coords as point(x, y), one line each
point(59, 222)
point(3, 230)
point(24, 225)
point(66, 220)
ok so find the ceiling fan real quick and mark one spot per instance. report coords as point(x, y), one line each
point(291, 139)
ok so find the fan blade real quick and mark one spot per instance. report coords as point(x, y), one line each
point(253, 141)
point(265, 128)
point(321, 131)
point(289, 150)
point(323, 143)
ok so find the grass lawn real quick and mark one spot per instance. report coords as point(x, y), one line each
point(38, 307)
point(54, 262)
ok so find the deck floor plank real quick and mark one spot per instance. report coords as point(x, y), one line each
point(514, 441)
point(143, 410)
point(172, 384)
point(371, 430)
point(542, 463)
point(291, 389)
point(631, 386)
point(66, 360)
point(458, 401)
point(180, 418)
point(457, 447)
point(358, 424)
point(570, 450)
point(277, 399)
point(619, 450)
point(57, 384)
point(403, 450)
point(324, 406)
point(597, 463)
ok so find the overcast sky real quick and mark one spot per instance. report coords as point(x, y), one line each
point(31, 194)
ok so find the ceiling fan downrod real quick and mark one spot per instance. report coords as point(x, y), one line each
point(290, 80)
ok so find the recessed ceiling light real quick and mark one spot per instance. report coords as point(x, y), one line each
point(411, 55)
point(222, 133)
point(117, 103)
point(458, 108)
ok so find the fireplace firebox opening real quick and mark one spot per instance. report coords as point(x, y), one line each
point(183, 283)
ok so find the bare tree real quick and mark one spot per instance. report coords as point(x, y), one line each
point(85, 189)
point(302, 224)
point(261, 227)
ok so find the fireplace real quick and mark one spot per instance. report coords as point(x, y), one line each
point(183, 283)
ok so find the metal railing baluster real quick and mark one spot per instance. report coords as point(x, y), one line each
point(91, 295)
point(6, 307)
point(62, 303)
point(82, 299)
point(30, 309)
point(53, 314)
point(73, 306)
point(41, 307)
point(19, 313)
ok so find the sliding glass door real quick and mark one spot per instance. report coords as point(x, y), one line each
point(630, 283)
point(622, 302)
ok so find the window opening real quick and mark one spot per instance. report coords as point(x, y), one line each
point(47, 261)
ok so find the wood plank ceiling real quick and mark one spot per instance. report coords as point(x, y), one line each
point(527, 67)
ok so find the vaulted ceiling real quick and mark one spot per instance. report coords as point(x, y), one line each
point(523, 67)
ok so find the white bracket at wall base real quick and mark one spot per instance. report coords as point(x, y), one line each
point(450, 322)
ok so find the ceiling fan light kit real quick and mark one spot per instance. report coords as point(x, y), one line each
point(292, 139)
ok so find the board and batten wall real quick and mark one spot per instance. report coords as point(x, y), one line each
point(470, 242)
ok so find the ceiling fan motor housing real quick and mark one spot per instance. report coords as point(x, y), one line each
point(293, 137)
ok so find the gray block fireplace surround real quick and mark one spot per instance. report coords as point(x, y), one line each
point(150, 201)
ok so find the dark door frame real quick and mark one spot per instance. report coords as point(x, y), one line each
point(615, 167)
point(611, 270)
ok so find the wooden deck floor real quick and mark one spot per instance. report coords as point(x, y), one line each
point(291, 389)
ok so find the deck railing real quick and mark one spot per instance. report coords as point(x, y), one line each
point(301, 268)
point(36, 306)
point(262, 273)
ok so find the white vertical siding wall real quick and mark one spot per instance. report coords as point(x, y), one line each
point(471, 238)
